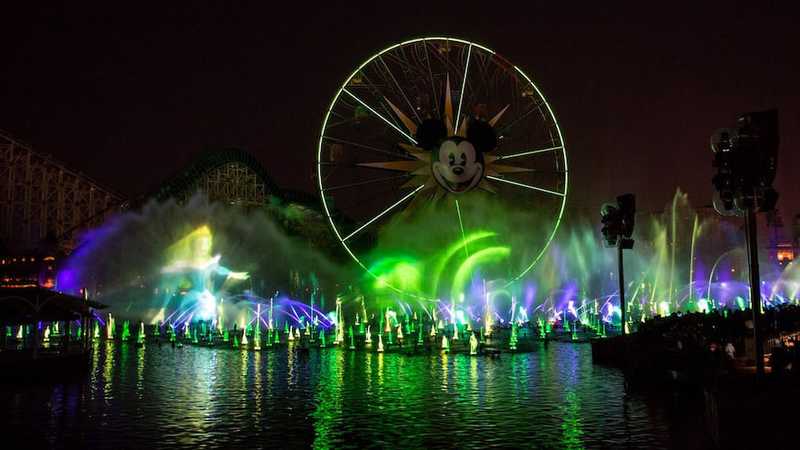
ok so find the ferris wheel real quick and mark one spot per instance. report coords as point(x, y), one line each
point(440, 140)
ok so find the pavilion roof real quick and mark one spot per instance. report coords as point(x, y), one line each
point(32, 304)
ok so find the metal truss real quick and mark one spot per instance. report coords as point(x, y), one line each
point(39, 197)
point(233, 183)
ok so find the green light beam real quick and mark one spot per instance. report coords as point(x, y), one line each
point(461, 224)
point(377, 114)
point(382, 213)
point(467, 268)
point(503, 180)
point(451, 251)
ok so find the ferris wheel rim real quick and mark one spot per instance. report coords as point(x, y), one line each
point(342, 89)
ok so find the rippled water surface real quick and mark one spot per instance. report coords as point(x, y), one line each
point(160, 397)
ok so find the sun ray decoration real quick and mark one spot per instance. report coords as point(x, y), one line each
point(420, 169)
point(427, 120)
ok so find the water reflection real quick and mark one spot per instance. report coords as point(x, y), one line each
point(177, 397)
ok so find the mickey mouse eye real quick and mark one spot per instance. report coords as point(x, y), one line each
point(452, 158)
point(463, 157)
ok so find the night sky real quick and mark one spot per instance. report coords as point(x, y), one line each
point(129, 96)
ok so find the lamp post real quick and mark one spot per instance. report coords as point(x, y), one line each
point(618, 223)
point(746, 159)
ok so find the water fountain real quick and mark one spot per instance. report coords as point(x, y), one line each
point(682, 263)
point(473, 344)
point(140, 335)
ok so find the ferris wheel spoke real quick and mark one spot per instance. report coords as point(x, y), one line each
point(383, 213)
point(529, 164)
point(376, 89)
point(463, 88)
point(523, 185)
point(377, 114)
point(447, 65)
point(534, 108)
point(337, 115)
point(364, 183)
point(368, 147)
point(430, 75)
point(402, 92)
point(483, 74)
point(530, 152)
point(403, 61)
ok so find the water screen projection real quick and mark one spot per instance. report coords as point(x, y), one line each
point(200, 279)
point(682, 262)
point(443, 177)
point(172, 264)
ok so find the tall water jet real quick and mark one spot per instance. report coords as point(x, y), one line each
point(140, 334)
point(257, 332)
point(126, 331)
point(352, 339)
point(110, 325)
point(473, 344)
point(695, 233)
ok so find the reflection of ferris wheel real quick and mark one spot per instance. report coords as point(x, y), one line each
point(436, 122)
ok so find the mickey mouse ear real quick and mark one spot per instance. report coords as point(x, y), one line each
point(482, 135)
point(430, 133)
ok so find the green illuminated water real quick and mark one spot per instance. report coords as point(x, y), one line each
point(196, 397)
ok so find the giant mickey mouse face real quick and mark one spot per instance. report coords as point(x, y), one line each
point(457, 166)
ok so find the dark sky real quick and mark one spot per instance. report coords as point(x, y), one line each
point(128, 96)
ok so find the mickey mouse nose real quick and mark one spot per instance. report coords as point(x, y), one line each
point(458, 170)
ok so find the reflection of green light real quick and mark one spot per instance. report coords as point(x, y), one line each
point(467, 268)
point(328, 399)
point(572, 429)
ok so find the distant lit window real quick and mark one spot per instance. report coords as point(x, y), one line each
point(785, 255)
